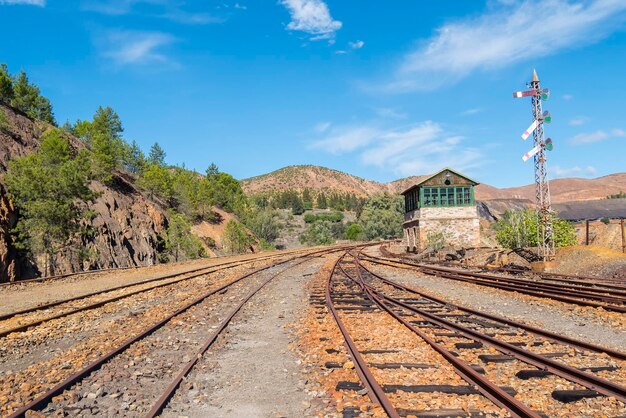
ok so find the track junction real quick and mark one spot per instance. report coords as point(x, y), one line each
point(369, 344)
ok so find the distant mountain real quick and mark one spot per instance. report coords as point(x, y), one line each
point(316, 178)
point(563, 190)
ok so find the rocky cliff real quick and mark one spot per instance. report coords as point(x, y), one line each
point(127, 226)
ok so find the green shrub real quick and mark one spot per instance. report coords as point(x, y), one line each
point(382, 217)
point(318, 233)
point(236, 239)
point(180, 243)
point(518, 229)
point(354, 232)
point(331, 217)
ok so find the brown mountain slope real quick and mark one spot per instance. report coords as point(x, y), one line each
point(299, 177)
point(322, 179)
point(574, 189)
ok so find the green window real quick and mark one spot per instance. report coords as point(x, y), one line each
point(447, 196)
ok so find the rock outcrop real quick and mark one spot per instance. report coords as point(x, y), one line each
point(127, 226)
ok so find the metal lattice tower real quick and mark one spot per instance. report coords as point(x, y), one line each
point(543, 202)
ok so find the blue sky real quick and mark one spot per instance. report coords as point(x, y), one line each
point(379, 90)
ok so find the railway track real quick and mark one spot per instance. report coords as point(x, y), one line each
point(599, 295)
point(22, 320)
point(526, 371)
point(46, 279)
point(609, 283)
point(192, 317)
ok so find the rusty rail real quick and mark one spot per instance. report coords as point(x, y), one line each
point(490, 390)
point(194, 274)
point(588, 380)
point(79, 375)
point(171, 389)
point(374, 390)
point(534, 330)
point(466, 277)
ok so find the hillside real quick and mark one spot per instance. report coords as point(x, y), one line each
point(325, 179)
point(126, 228)
point(299, 177)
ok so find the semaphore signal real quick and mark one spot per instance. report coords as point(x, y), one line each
point(543, 204)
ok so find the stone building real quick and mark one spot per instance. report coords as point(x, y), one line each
point(443, 202)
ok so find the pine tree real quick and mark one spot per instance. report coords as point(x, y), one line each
point(321, 201)
point(236, 239)
point(27, 98)
point(135, 160)
point(6, 85)
point(297, 207)
point(212, 170)
point(157, 155)
point(46, 187)
point(180, 242)
point(107, 122)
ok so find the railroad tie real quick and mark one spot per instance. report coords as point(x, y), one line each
point(567, 396)
point(529, 374)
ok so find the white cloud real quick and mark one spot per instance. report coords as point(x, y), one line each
point(390, 113)
point(568, 97)
point(116, 7)
point(356, 44)
point(40, 3)
point(507, 33)
point(418, 149)
point(472, 111)
point(322, 127)
point(181, 16)
point(573, 171)
point(163, 9)
point(240, 6)
point(578, 120)
point(312, 17)
point(597, 136)
point(137, 48)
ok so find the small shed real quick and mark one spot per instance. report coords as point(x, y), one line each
point(441, 203)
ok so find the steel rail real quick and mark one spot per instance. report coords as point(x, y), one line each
point(533, 330)
point(572, 374)
point(616, 284)
point(565, 277)
point(487, 388)
point(171, 389)
point(153, 279)
point(575, 289)
point(374, 390)
point(553, 287)
point(79, 375)
point(195, 273)
point(64, 276)
point(9, 315)
point(544, 294)
point(552, 290)
point(105, 270)
point(199, 273)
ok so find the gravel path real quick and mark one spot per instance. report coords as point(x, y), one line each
point(129, 384)
point(253, 373)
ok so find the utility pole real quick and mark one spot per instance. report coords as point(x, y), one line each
point(543, 204)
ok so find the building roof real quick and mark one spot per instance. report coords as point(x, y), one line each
point(591, 209)
point(424, 179)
